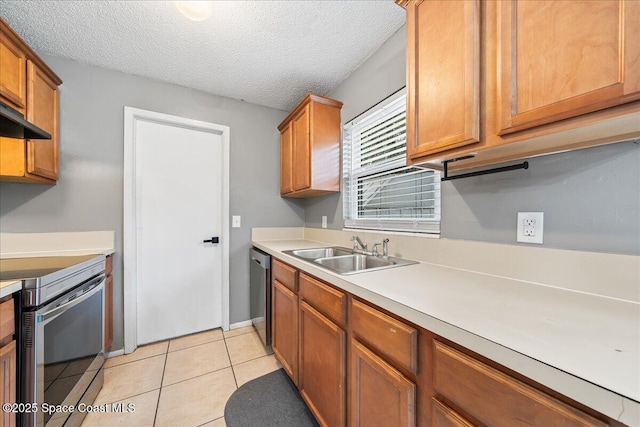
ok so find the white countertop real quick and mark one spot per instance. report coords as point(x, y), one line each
point(584, 346)
point(7, 287)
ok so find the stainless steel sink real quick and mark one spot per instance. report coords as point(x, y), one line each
point(316, 253)
point(345, 261)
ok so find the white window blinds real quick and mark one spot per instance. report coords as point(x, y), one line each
point(380, 191)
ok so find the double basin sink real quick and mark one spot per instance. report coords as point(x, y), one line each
point(346, 261)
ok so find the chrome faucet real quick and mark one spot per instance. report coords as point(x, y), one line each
point(356, 241)
point(385, 249)
point(374, 251)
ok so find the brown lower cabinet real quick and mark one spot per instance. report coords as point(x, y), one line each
point(322, 368)
point(481, 391)
point(108, 313)
point(108, 304)
point(357, 364)
point(7, 360)
point(379, 394)
point(284, 338)
point(444, 416)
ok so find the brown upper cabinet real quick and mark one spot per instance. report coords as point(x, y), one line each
point(550, 70)
point(505, 80)
point(310, 148)
point(29, 86)
point(443, 71)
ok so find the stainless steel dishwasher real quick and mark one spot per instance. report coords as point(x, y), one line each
point(260, 294)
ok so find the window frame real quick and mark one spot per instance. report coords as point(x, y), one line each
point(351, 174)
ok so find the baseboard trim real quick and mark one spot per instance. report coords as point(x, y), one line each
point(240, 324)
point(237, 325)
point(114, 353)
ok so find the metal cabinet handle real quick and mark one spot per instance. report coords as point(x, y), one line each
point(90, 291)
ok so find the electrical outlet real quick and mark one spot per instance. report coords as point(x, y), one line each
point(530, 227)
point(324, 221)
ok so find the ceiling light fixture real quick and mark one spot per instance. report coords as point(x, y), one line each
point(195, 10)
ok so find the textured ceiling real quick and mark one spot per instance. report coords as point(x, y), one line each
point(265, 52)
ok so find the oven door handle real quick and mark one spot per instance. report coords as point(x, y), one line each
point(60, 309)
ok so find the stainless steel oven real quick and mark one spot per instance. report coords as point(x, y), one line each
point(63, 354)
point(61, 343)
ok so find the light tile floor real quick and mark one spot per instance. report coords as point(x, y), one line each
point(182, 382)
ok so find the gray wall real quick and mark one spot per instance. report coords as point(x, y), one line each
point(381, 75)
point(591, 197)
point(88, 195)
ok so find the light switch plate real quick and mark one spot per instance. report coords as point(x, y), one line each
point(530, 227)
point(324, 221)
point(235, 221)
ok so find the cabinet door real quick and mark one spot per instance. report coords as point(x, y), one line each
point(323, 362)
point(284, 339)
point(108, 312)
point(443, 71)
point(8, 382)
point(552, 68)
point(42, 110)
point(444, 416)
point(286, 160)
point(379, 394)
point(13, 80)
point(301, 150)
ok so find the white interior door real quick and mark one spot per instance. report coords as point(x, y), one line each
point(178, 204)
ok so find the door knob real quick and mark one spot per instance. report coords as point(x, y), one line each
point(211, 240)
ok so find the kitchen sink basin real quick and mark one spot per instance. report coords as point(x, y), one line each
point(345, 261)
point(316, 253)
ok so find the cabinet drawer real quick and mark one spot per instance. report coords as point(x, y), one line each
point(483, 392)
point(327, 300)
point(285, 274)
point(7, 319)
point(447, 417)
point(394, 339)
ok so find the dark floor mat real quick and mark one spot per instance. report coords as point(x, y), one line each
point(269, 401)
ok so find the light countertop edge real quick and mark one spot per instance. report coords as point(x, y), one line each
point(585, 391)
point(7, 287)
point(67, 252)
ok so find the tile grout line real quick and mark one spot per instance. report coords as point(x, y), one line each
point(216, 370)
point(233, 371)
point(254, 358)
point(166, 357)
point(134, 361)
point(210, 421)
point(166, 354)
point(123, 398)
point(197, 376)
point(194, 345)
point(132, 396)
point(237, 335)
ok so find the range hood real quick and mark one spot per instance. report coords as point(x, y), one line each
point(13, 125)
